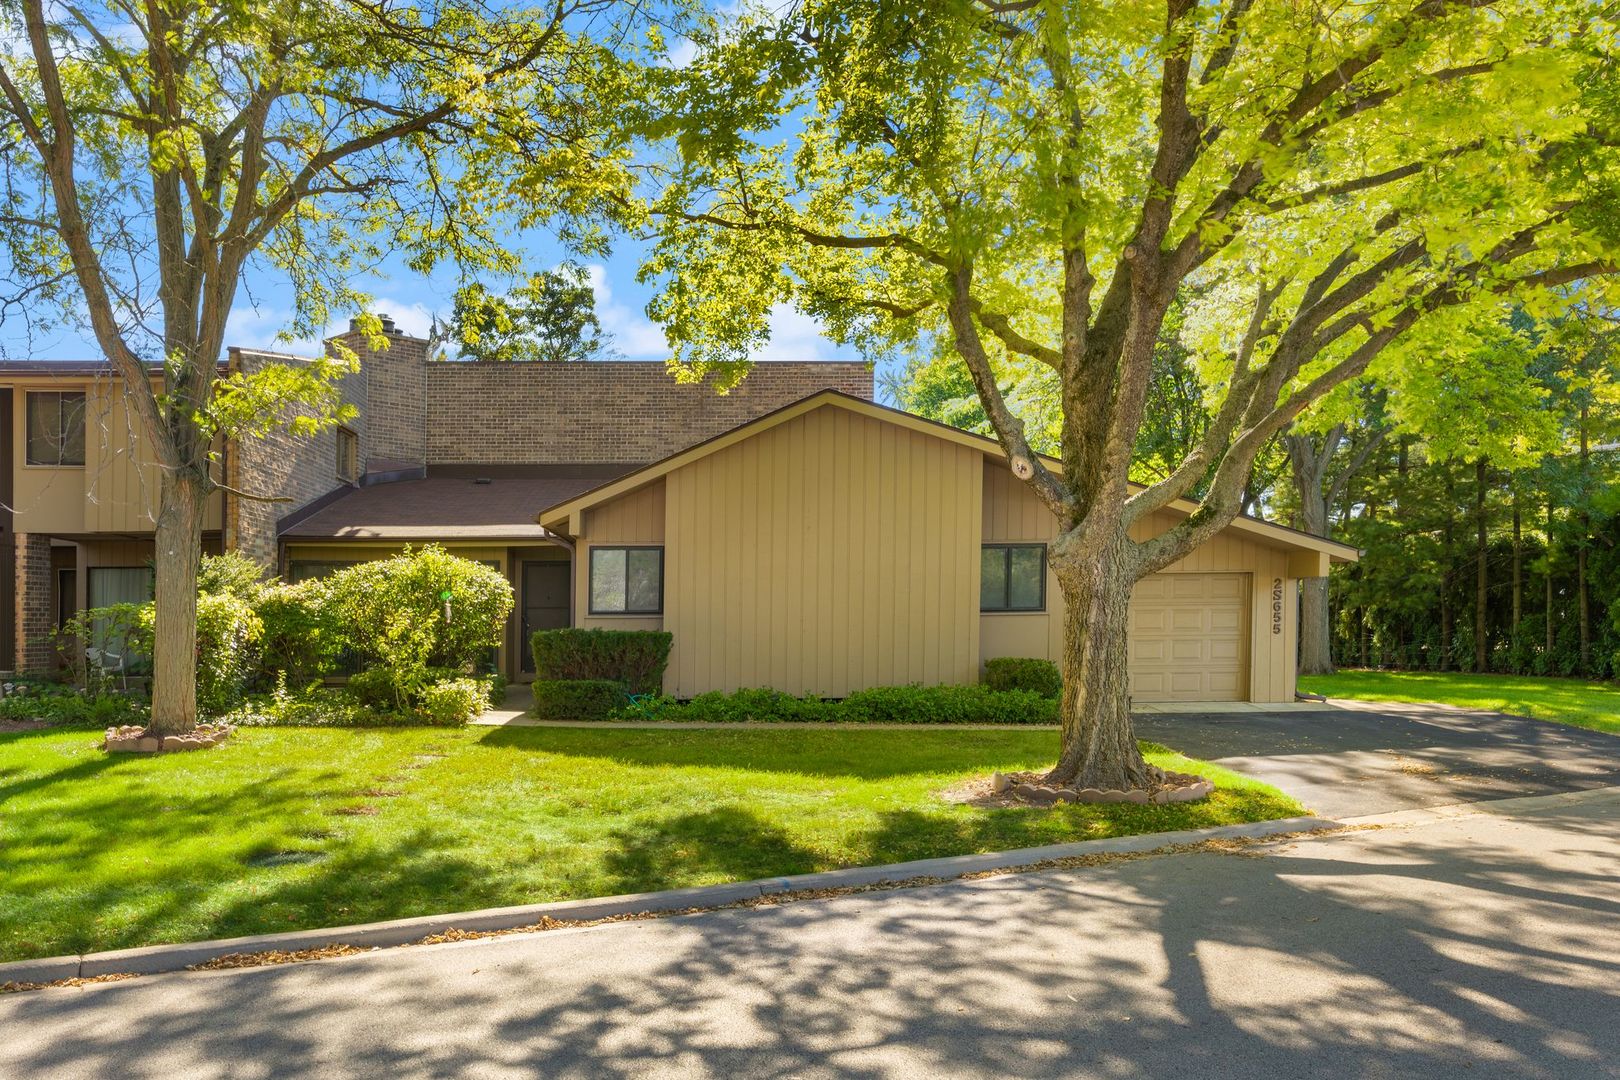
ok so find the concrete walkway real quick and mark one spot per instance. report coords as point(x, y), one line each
point(1479, 944)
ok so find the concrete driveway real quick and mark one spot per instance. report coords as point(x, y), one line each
point(1358, 758)
point(1481, 945)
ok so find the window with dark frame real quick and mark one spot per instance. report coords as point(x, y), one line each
point(1012, 577)
point(348, 455)
point(627, 581)
point(55, 428)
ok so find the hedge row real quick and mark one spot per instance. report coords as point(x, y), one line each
point(878, 705)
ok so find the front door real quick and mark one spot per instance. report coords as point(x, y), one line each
point(545, 602)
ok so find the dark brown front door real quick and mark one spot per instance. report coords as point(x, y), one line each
point(545, 602)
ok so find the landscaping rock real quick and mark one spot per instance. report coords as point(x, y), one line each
point(1067, 795)
point(1140, 797)
point(1041, 796)
point(999, 783)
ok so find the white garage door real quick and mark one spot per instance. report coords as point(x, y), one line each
point(1188, 638)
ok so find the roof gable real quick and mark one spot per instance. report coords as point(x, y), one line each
point(566, 516)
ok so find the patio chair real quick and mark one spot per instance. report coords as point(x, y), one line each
point(109, 664)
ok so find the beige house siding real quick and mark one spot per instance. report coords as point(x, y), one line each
point(115, 490)
point(1012, 514)
point(636, 519)
point(827, 553)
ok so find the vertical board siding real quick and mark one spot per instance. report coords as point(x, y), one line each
point(635, 519)
point(1012, 514)
point(822, 555)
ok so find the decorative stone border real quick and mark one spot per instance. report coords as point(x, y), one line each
point(1173, 787)
point(134, 739)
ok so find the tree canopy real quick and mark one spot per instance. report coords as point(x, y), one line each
point(1313, 188)
point(550, 316)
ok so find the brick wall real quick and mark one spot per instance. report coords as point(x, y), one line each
point(293, 468)
point(623, 412)
point(35, 614)
point(396, 399)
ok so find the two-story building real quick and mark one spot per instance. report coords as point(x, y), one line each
point(461, 454)
point(791, 533)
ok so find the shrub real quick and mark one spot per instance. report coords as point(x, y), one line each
point(228, 634)
point(392, 614)
point(757, 705)
point(636, 658)
point(302, 637)
point(230, 574)
point(577, 699)
point(68, 706)
point(878, 705)
point(1023, 673)
point(947, 705)
point(378, 688)
point(453, 702)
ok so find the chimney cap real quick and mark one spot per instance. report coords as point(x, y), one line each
point(382, 317)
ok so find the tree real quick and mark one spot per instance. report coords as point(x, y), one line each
point(1047, 179)
point(153, 151)
point(550, 317)
point(1321, 478)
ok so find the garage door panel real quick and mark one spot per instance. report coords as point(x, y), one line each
point(1188, 638)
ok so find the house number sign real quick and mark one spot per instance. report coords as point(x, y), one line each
point(1276, 605)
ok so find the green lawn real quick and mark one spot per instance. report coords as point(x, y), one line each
point(1593, 705)
point(291, 828)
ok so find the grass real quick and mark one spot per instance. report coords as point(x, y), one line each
point(1594, 705)
point(290, 828)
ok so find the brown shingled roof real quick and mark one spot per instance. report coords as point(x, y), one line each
point(442, 508)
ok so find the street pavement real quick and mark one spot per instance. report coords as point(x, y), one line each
point(1484, 944)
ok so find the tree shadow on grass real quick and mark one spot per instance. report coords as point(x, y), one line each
point(730, 843)
point(852, 752)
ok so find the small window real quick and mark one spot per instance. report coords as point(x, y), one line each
point(348, 455)
point(55, 429)
point(1012, 577)
point(627, 580)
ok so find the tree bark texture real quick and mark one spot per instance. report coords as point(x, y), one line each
point(1099, 747)
point(1482, 648)
point(174, 644)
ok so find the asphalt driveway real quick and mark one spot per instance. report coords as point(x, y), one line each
point(1357, 759)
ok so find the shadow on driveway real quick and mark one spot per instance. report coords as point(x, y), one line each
point(1353, 762)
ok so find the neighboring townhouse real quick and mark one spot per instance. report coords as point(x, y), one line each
point(835, 544)
point(461, 454)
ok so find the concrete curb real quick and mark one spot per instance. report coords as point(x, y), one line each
point(156, 959)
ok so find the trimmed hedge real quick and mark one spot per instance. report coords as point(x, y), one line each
point(1023, 673)
point(577, 699)
point(878, 705)
point(636, 658)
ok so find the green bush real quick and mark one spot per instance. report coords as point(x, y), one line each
point(392, 614)
point(69, 706)
point(636, 658)
point(577, 699)
point(946, 705)
point(1023, 673)
point(878, 705)
point(228, 633)
point(230, 574)
point(453, 702)
point(302, 637)
point(378, 688)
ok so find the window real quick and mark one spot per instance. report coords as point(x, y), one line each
point(1012, 577)
point(627, 580)
point(55, 429)
point(108, 585)
point(348, 455)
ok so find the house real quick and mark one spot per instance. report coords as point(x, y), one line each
point(835, 544)
point(790, 534)
point(460, 454)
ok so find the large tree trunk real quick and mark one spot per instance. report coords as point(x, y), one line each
point(1548, 581)
point(1518, 562)
point(174, 642)
point(1098, 743)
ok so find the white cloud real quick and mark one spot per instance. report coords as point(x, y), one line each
point(794, 336)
